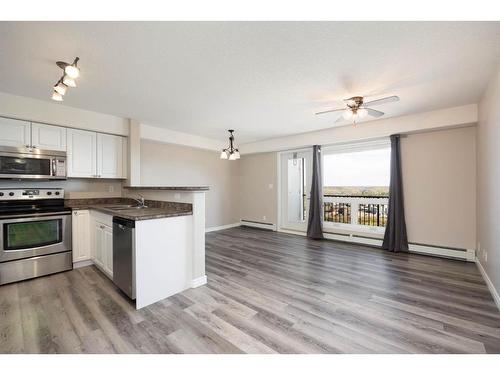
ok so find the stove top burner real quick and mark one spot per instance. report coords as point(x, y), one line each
point(31, 201)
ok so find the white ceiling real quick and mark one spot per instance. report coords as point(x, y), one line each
point(264, 79)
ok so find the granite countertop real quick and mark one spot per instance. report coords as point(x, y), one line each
point(155, 209)
point(177, 188)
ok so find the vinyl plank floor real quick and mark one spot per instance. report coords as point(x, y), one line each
point(267, 292)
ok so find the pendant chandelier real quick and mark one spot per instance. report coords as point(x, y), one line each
point(231, 152)
point(70, 74)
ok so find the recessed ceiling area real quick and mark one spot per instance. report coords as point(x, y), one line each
point(263, 79)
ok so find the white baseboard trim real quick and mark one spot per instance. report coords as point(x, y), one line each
point(255, 224)
point(83, 263)
point(468, 255)
point(288, 231)
point(353, 239)
point(491, 287)
point(199, 281)
point(221, 227)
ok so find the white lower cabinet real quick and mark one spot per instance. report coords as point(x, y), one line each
point(93, 239)
point(102, 238)
point(81, 235)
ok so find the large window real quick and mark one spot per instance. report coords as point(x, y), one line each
point(356, 185)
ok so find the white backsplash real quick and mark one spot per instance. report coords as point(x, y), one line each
point(73, 188)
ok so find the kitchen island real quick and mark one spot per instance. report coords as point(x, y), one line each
point(164, 259)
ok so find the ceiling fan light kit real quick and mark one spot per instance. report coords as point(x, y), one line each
point(231, 152)
point(356, 108)
point(70, 73)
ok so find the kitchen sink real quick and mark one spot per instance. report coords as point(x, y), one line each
point(120, 208)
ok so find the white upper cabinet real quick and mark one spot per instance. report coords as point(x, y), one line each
point(110, 156)
point(81, 146)
point(14, 133)
point(89, 154)
point(48, 137)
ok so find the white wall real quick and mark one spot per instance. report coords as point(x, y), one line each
point(73, 188)
point(488, 182)
point(58, 114)
point(440, 119)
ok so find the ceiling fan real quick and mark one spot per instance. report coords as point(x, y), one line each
point(356, 108)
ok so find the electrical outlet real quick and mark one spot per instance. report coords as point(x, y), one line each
point(270, 186)
point(264, 218)
point(485, 256)
point(177, 196)
point(111, 188)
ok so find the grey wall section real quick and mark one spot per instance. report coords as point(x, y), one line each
point(488, 181)
point(439, 184)
point(258, 187)
point(167, 164)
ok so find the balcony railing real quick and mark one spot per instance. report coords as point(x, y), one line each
point(367, 212)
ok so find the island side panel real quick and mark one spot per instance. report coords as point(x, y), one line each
point(199, 277)
point(197, 199)
point(163, 258)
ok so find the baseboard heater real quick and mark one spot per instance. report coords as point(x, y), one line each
point(417, 248)
point(258, 224)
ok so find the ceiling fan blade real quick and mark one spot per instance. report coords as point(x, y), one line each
point(331, 110)
point(388, 99)
point(374, 112)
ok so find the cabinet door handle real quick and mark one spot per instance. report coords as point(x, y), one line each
point(75, 213)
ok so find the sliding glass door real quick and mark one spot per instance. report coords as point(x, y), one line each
point(296, 174)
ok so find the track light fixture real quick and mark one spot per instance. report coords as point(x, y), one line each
point(70, 73)
point(231, 152)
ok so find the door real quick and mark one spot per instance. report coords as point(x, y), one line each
point(48, 137)
point(81, 235)
point(295, 178)
point(81, 153)
point(14, 133)
point(109, 156)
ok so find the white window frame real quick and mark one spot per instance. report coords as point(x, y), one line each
point(354, 202)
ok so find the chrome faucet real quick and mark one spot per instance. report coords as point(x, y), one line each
point(140, 201)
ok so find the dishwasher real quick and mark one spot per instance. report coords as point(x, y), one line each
point(124, 255)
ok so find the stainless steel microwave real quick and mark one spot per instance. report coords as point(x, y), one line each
point(32, 163)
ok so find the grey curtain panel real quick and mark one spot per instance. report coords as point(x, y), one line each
point(395, 237)
point(315, 220)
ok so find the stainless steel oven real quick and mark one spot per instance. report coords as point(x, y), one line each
point(35, 234)
point(32, 163)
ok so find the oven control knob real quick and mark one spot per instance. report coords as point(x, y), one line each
point(57, 193)
point(49, 193)
point(1, 194)
point(11, 194)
